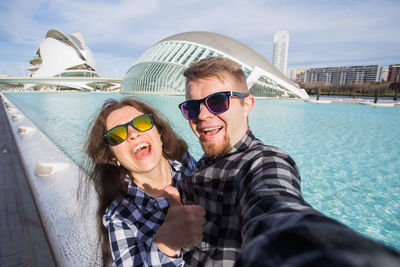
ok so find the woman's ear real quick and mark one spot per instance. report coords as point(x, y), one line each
point(116, 162)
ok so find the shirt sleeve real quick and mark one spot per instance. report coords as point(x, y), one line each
point(127, 249)
point(271, 186)
point(280, 229)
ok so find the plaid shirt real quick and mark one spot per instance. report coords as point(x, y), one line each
point(228, 187)
point(133, 220)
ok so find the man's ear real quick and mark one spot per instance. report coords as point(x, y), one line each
point(248, 104)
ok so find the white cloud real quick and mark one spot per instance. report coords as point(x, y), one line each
point(17, 23)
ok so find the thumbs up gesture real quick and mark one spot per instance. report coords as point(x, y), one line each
point(183, 226)
point(175, 198)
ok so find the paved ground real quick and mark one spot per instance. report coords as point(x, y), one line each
point(22, 240)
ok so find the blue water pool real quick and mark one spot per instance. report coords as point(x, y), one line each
point(348, 154)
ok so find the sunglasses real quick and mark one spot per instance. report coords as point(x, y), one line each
point(216, 103)
point(119, 134)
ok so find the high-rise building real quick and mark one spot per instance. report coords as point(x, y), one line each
point(281, 46)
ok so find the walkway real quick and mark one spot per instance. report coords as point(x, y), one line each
point(22, 240)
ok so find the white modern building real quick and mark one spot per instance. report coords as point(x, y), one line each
point(60, 55)
point(281, 47)
point(160, 68)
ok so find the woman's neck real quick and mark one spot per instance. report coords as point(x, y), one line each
point(153, 182)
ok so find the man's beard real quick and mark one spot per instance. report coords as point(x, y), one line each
point(216, 151)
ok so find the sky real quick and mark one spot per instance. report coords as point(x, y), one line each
point(323, 33)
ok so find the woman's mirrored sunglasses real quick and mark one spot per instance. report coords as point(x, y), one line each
point(216, 103)
point(119, 134)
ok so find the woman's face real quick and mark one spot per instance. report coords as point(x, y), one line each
point(141, 152)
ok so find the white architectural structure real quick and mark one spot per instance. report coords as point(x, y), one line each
point(281, 46)
point(160, 69)
point(62, 55)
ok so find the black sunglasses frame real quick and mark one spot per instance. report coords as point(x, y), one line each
point(107, 140)
point(204, 100)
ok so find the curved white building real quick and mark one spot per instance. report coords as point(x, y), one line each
point(60, 55)
point(160, 69)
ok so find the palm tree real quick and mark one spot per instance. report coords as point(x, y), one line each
point(395, 86)
point(376, 95)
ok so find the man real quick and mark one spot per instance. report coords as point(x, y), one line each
point(256, 215)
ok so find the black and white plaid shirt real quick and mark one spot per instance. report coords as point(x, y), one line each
point(227, 188)
point(133, 220)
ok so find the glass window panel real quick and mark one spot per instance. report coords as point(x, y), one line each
point(198, 56)
point(210, 54)
point(190, 55)
point(186, 48)
point(170, 50)
point(176, 50)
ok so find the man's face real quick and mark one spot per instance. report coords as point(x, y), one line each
point(218, 133)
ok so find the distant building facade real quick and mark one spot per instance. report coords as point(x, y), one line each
point(394, 73)
point(291, 74)
point(60, 55)
point(281, 47)
point(160, 68)
point(63, 55)
point(385, 73)
point(300, 74)
point(344, 75)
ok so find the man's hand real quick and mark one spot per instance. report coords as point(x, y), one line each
point(183, 226)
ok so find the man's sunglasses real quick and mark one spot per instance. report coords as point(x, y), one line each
point(119, 134)
point(216, 103)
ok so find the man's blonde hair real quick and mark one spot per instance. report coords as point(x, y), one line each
point(217, 67)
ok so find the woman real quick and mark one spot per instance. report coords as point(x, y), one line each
point(134, 155)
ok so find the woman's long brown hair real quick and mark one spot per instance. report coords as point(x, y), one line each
point(104, 175)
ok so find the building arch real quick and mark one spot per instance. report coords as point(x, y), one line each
point(159, 70)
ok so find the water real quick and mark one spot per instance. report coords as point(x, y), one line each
point(348, 154)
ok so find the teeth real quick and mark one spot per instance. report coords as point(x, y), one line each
point(212, 129)
point(140, 146)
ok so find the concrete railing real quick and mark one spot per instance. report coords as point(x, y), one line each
point(54, 179)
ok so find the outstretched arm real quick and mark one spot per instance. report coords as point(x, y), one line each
point(281, 229)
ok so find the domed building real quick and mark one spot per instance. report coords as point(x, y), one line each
point(160, 69)
point(60, 55)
